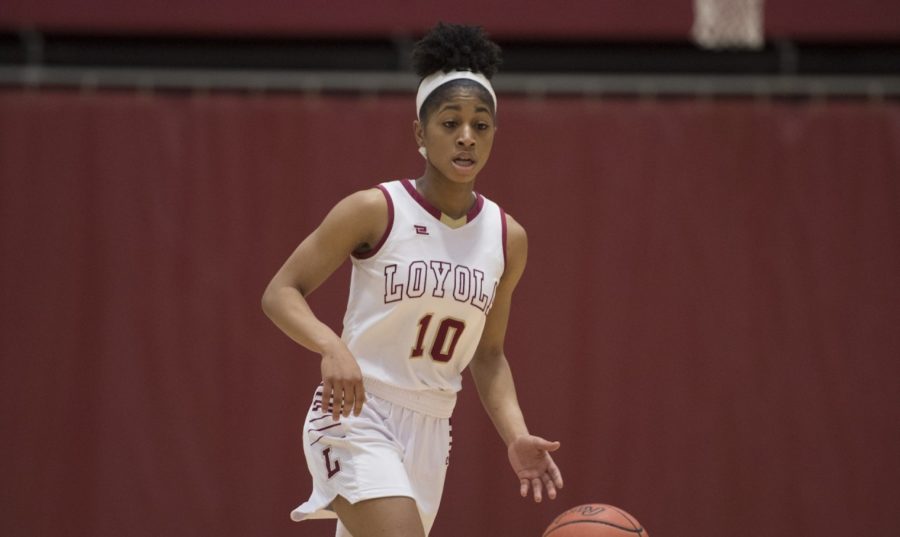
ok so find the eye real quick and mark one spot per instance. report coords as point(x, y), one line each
point(450, 124)
point(482, 126)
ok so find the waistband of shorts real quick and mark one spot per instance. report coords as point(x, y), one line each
point(438, 404)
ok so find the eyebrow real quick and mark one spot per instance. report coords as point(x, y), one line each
point(479, 108)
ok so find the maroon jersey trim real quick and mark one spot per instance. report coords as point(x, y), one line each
point(434, 211)
point(390, 225)
point(503, 234)
point(476, 209)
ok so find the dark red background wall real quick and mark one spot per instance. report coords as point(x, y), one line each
point(524, 19)
point(709, 319)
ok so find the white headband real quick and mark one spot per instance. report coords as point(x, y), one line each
point(439, 78)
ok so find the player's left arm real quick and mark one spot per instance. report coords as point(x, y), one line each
point(528, 454)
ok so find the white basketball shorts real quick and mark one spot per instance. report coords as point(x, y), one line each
point(399, 445)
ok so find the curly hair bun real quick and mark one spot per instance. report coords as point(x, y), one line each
point(449, 47)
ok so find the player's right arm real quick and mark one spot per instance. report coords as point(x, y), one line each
point(356, 222)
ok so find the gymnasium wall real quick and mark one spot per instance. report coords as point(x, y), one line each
point(835, 20)
point(708, 322)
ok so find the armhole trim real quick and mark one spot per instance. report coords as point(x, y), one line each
point(503, 234)
point(387, 231)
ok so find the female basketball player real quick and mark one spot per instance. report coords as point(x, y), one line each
point(434, 268)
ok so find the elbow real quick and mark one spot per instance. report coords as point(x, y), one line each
point(276, 298)
point(486, 363)
point(269, 301)
point(490, 355)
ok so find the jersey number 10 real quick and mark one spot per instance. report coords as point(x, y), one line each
point(443, 342)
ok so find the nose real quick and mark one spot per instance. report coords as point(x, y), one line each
point(466, 136)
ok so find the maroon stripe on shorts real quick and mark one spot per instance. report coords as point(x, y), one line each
point(326, 428)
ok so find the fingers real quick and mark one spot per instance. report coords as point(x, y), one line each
point(348, 399)
point(348, 402)
point(548, 485)
point(337, 402)
point(537, 489)
point(545, 445)
point(344, 399)
point(342, 384)
point(359, 397)
point(327, 391)
point(354, 397)
point(539, 486)
point(555, 475)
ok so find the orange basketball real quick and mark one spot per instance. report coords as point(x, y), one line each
point(595, 520)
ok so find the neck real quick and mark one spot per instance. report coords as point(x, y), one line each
point(451, 198)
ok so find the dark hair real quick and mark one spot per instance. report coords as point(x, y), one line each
point(449, 47)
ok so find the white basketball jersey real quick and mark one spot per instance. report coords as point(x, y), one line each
point(419, 299)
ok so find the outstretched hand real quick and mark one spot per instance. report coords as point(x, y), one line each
point(530, 459)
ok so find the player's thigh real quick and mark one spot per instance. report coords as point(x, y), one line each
point(394, 516)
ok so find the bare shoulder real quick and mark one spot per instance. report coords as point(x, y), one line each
point(515, 232)
point(516, 238)
point(361, 216)
point(516, 247)
point(363, 204)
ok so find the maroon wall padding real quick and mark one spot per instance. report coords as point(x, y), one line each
point(708, 323)
point(836, 20)
point(579, 19)
point(527, 19)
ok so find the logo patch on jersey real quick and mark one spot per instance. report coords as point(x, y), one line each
point(421, 230)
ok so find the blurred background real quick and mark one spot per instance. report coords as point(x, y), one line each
point(710, 319)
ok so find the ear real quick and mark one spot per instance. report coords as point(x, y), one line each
point(419, 133)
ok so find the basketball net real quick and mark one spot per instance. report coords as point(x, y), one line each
point(722, 24)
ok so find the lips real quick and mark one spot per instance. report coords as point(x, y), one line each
point(464, 161)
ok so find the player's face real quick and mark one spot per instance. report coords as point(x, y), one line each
point(458, 136)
